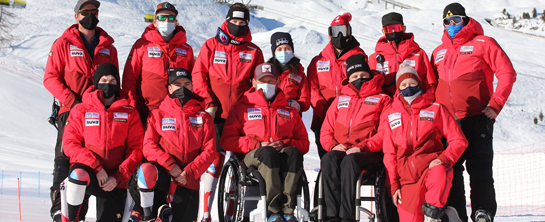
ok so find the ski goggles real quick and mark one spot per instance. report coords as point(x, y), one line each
point(86, 12)
point(393, 28)
point(164, 17)
point(222, 37)
point(457, 19)
point(334, 31)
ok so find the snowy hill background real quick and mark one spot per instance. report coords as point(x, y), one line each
point(27, 140)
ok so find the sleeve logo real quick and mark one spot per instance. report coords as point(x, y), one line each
point(284, 113)
point(254, 114)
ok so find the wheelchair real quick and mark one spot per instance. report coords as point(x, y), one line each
point(236, 177)
point(385, 211)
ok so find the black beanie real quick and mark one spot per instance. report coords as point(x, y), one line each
point(238, 13)
point(105, 69)
point(178, 74)
point(356, 63)
point(392, 18)
point(454, 9)
point(280, 38)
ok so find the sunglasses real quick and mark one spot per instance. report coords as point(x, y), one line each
point(457, 19)
point(393, 28)
point(86, 12)
point(222, 37)
point(343, 29)
point(164, 17)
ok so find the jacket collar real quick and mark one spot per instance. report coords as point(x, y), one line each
point(372, 87)
point(256, 97)
point(94, 98)
point(422, 101)
point(404, 49)
point(247, 37)
point(174, 107)
point(72, 35)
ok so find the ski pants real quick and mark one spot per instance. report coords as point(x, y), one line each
point(321, 151)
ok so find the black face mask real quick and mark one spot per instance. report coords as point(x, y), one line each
point(236, 30)
point(109, 90)
point(183, 94)
point(359, 82)
point(340, 41)
point(395, 37)
point(89, 22)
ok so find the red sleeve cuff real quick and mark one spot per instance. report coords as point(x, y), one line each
point(444, 160)
point(495, 106)
point(70, 100)
point(189, 174)
point(169, 164)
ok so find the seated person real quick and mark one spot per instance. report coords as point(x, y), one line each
point(352, 136)
point(272, 137)
point(103, 139)
point(180, 144)
point(419, 168)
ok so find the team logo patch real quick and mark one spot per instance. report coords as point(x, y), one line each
point(410, 62)
point(284, 113)
point(371, 100)
point(295, 79)
point(168, 124)
point(441, 52)
point(322, 66)
point(119, 115)
point(395, 124)
point(50, 54)
point(92, 122)
point(427, 115)
point(464, 50)
point(266, 68)
point(244, 55)
point(383, 67)
point(343, 105)
point(180, 52)
point(73, 47)
point(104, 52)
point(238, 14)
point(281, 41)
point(196, 121)
point(154, 52)
point(439, 58)
point(76, 53)
point(394, 116)
point(254, 113)
point(220, 57)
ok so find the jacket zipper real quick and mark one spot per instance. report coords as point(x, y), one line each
point(182, 132)
point(232, 74)
point(450, 82)
point(410, 143)
point(270, 122)
point(350, 124)
point(105, 133)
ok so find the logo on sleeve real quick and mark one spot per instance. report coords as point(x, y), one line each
point(254, 113)
point(322, 66)
point(168, 124)
point(245, 57)
point(180, 52)
point(120, 117)
point(154, 52)
point(466, 50)
point(295, 79)
point(104, 52)
point(92, 119)
point(196, 121)
point(284, 113)
point(371, 100)
point(220, 57)
point(427, 115)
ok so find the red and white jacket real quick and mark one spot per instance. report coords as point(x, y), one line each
point(408, 52)
point(295, 87)
point(69, 69)
point(466, 66)
point(223, 73)
point(254, 120)
point(109, 139)
point(146, 70)
point(327, 75)
point(354, 117)
point(183, 135)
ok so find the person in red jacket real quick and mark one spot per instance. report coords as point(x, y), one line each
point(293, 81)
point(418, 166)
point(271, 136)
point(103, 139)
point(397, 47)
point(352, 138)
point(180, 144)
point(222, 73)
point(466, 63)
point(68, 73)
point(327, 71)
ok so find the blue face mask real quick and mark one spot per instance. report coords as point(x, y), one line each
point(283, 56)
point(454, 29)
point(410, 91)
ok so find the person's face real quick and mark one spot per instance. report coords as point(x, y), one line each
point(107, 79)
point(358, 74)
point(85, 9)
point(164, 13)
point(410, 82)
point(283, 48)
point(265, 80)
point(238, 22)
point(179, 83)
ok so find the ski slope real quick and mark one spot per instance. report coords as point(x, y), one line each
point(27, 140)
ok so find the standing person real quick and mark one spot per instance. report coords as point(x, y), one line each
point(180, 144)
point(271, 136)
point(68, 73)
point(293, 81)
point(326, 72)
point(352, 136)
point(397, 47)
point(466, 64)
point(222, 73)
point(103, 139)
point(418, 166)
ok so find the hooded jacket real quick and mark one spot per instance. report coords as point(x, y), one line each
point(254, 120)
point(295, 87)
point(69, 69)
point(408, 52)
point(223, 73)
point(466, 66)
point(148, 63)
point(183, 135)
point(109, 139)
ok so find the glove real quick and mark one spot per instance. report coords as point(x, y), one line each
point(294, 104)
point(212, 111)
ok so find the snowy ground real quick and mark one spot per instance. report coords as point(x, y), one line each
point(27, 140)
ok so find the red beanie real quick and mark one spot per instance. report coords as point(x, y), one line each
point(343, 19)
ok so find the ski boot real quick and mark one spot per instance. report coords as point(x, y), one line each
point(482, 216)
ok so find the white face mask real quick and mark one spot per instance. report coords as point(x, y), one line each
point(166, 28)
point(268, 89)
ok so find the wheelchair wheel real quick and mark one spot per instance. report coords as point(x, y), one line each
point(305, 195)
point(386, 210)
point(228, 193)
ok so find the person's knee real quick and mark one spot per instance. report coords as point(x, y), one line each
point(268, 156)
point(147, 176)
point(332, 157)
point(80, 176)
point(293, 153)
point(349, 161)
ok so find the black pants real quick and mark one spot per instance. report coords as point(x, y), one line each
point(478, 159)
point(321, 151)
point(340, 172)
point(219, 123)
point(110, 205)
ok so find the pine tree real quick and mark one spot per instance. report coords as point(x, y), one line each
point(543, 16)
point(541, 116)
point(509, 15)
point(6, 25)
point(514, 20)
point(504, 11)
point(534, 13)
point(525, 15)
point(535, 120)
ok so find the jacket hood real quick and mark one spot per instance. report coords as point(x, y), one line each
point(257, 97)
point(152, 35)
point(247, 37)
point(471, 29)
point(372, 87)
point(94, 97)
point(71, 34)
point(329, 50)
point(404, 49)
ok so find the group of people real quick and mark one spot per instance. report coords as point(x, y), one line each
point(169, 121)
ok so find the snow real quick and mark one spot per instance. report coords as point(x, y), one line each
point(27, 140)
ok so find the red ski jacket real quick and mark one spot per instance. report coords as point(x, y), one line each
point(408, 52)
point(466, 66)
point(146, 70)
point(223, 73)
point(327, 75)
point(183, 135)
point(69, 69)
point(295, 87)
point(412, 139)
point(108, 139)
point(353, 118)
point(254, 120)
